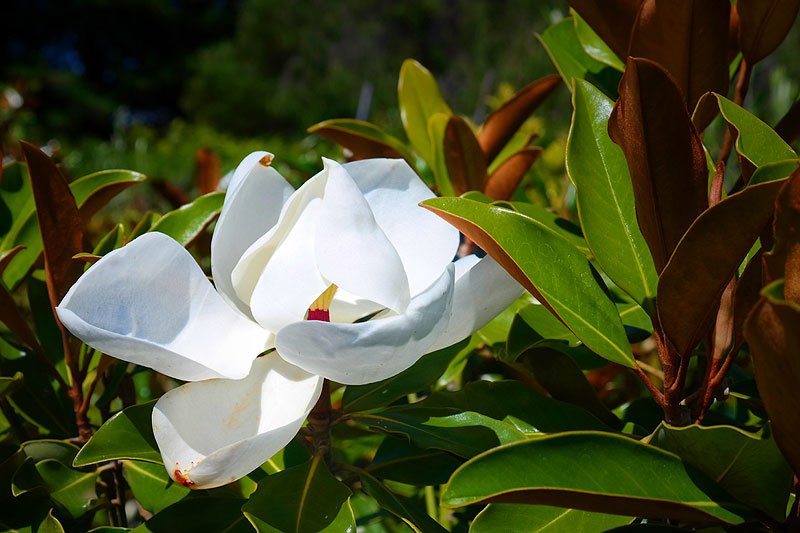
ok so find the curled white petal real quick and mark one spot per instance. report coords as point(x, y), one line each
point(151, 304)
point(370, 351)
point(216, 431)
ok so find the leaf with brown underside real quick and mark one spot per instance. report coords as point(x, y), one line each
point(9, 312)
point(506, 120)
point(763, 25)
point(664, 154)
point(365, 140)
point(706, 259)
point(745, 296)
point(689, 39)
point(463, 157)
point(59, 221)
point(612, 20)
point(784, 259)
point(208, 172)
point(772, 332)
point(501, 183)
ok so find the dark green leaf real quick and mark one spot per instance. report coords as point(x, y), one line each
point(599, 472)
point(126, 435)
point(186, 222)
point(9, 385)
point(152, 487)
point(419, 98)
point(208, 513)
point(399, 460)
point(143, 226)
point(71, 489)
point(553, 271)
point(39, 450)
point(534, 325)
point(511, 518)
point(44, 320)
point(400, 507)
point(50, 524)
point(111, 241)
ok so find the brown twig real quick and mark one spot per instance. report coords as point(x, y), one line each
point(319, 424)
point(658, 396)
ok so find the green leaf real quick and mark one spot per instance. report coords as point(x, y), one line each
point(420, 375)
point(186, 222)
point(437, 124)
point(757, 142)
point(147, 221)
point(9, 385)
point(126, 435)
point(569, 57)
point(749, 467)
point(399, 460)
point(365, 140)
point(593, 45)
point(209, 513)
point(553, 271)
point(554, 223)
point(39, 450)
point(71, 489)
point(16, 197)
point(606, 205)
point(419, 98)
point(515, 518)
point(111, 241)
point(405, 510)
point(50, 524)
point(304, 498)
point(44, 321)
point(599, 472)
point(773, 171)
point(152, 487)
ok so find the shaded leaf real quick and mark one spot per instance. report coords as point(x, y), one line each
point(71, 489)
point(463, 157)
point(611, 19)
point(399, 460)
point(10, 313)
point(9, 385)
point(704, 262)
point(745, 295)
point(501, 125)
point(185, 223)
point(365, 140)
point(553, 271)
point(405, 510)
point(749, 467)
point(211, 513)
point(50, 524)
point(535, 326)
point(126, 435)
point(304, 498)
point(420, 375)
point(517, 518)
point(605, 197)
point(599, 472)
point(419, 98)
point(763, 24)
point(665, 156)
point(143, 226)
point(501, 183)
point(39, 450)
point(152, 487)
point(783, 261)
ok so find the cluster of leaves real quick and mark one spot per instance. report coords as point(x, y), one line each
point(677, 291)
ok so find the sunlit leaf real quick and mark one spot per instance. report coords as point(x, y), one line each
point(126, 435)
point(611, 19)
point(593, 45)
point(419, 98)
point(152, 487)
point(501, 183)
point(365, 140)
point(463, 157)
point(519, 518)
point(185, 223)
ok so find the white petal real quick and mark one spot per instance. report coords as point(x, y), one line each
point(252, 206)
point(352, 250)
point(278, 276)
point(217, 431)
point(425, 242)
point(483, 290)
point(360, 353)
point(151, 304)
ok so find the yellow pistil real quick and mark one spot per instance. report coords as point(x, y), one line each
point(323, 303)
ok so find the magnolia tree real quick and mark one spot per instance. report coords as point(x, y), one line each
point(368, 353)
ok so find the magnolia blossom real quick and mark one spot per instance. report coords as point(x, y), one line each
point(347, 277)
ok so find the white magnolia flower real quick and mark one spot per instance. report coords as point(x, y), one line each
point(350, 244)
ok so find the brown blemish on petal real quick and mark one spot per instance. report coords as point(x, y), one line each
point(266, 160)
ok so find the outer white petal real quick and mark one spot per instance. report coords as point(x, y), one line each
point(482, 291)
point(150, 303)
point(217, 431)
point(425, 242)
point(252, 206)
point(352, 250)
point(360, 353)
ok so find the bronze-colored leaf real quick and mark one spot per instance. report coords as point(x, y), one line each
point(763, 25)
point(612, 20)
point(208, 172)
point(665, 156)
point(746, 295)
point(501, 183)
point(773, 331)
point(9, 312)
point(59, 221)
point(6, 257)
point(465, 161)
point(784, 259)
point(789, 126)
point(689, 38)
point(706, 259)
point(365, 140)
point(506, 120)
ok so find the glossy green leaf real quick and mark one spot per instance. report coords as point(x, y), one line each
point(757, 142)
point(186, 222)
point(147, 221)
point(611, 19)
point(71, 489)
point(16, 197)
point(50, 524)
point(774, 171)
point(593, 45)
point(111, 241)
point(365, 140)
point(39, 450)
point(606, 204)
point(405, 510)
point(517, 518)
point(126, 435)
point(304, 498)
point(399, 460)
point(599, 472)
point(535, 326)
point(749, 467)
point(546, 264)
point(151, 486)
point(437, 124)
point(572, 61)
point(44, 320)
point(211, 513)
point(417, 377)
point(552, 222)
point(419, 98)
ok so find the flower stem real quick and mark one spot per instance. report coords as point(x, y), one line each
point(319, 424)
